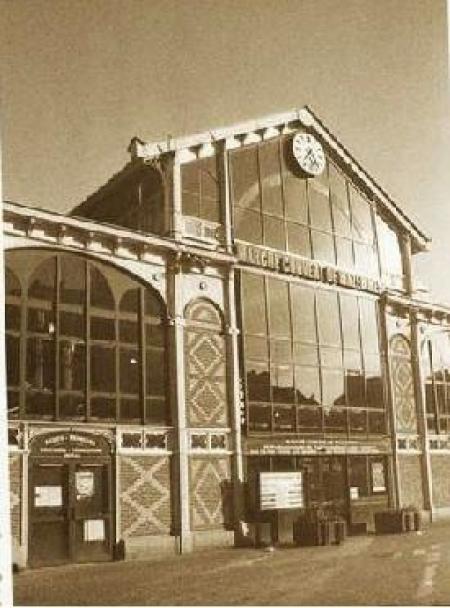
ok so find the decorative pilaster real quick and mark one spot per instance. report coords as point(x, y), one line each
point(178, 400)
point(235, 399)
point(421, 415)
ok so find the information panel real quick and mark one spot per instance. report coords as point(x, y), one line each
point(281, 491)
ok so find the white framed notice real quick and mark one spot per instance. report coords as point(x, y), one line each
point(94, 530)
point(281, 490)
point(84, 483)
point(48, 496)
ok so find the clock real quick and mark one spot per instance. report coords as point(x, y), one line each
point(309, 153)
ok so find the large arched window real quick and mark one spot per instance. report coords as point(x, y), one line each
point(94, 342)
point(436, 368)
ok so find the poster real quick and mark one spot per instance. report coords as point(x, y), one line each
point(281, 491)
point(94, 530)
point(354, 493)
point(48, 496)
point(378, 482)
point(84, 483)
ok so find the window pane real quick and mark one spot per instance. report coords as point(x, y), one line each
point(103, 328)
point(128, 331)
point(190, 187)
point(13, 404)
point(72, 406)
point(12, 360)
point(361, 217)
point(374, 391)
point(323, 247)
point(305, 354)
point(101, 294)
point(253, 299)
point(310, 419)
point(73, 280)
point(155, 335)
point(354, 385)
point(296, 201)
point(129, 371)
point(358, 421)
point(274, 232)
point(191, 204)
point(307, 385)
point(40, 404)
point(298, 240)
point(282, 384)
point(279, 317)
point(103, 369)
point(335, 420)
point(303, 315)
point(350, 325)
point(102, 407)
point(40, 363)
point(244, 173)
point(328, 318)
point(12, 284)
point(42, 283)
point(41, 321)
point(72, 366)
point(260, 417)
point(248, 226)
point(391, 259)
point(280, 351)
point(339, 201)
point(256, 348)
point(377, 422)
point(156, 372)
point(269, 166)
point(258, 384)
point(344, 253)
point(284, 419)
point(130, 301)
point(71, 324)
point(12, 316)
point(130, 409)
point(369, 328)
point(319, 205)
point(157, 412)
point(358, 474)
point(332, 387)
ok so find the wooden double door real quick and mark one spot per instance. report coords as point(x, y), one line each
point(71, 517)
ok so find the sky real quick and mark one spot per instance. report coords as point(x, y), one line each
point(80, 78)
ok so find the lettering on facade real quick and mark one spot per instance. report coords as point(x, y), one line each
point(301, 267)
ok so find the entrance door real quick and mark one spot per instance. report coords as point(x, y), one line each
point(70, 512)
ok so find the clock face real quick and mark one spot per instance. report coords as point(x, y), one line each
point(308, 153)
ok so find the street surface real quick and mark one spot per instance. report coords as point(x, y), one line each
point(405, 569)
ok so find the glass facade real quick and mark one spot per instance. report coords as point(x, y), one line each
point(200, 189)
point(84, 341)
point(325, 218)
point(311, 359)
point(436, 370)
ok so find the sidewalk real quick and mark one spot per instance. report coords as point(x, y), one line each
point(406, 569)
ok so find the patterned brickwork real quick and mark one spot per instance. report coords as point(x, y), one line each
point(15, 483)
point(145, 495)
point(210, 492)
point(206, 391)
point(440, 467)
point(403, 385)
point(411, 481)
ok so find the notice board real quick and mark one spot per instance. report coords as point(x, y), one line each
point(281, 490)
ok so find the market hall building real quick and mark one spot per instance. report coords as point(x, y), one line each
point(231, 303)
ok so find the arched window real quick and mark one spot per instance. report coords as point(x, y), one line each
point(95, 342)
point(13, 294)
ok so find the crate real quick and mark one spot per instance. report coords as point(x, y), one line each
point(319, 533)
point(397, 521)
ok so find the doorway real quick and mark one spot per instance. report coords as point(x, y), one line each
point(70, 509)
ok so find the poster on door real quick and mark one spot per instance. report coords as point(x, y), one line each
point(84, 484)
point(94, 530)
point(48, 496)
point(378, 481)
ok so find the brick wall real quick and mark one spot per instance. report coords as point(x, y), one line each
point(15, 494)
point(210, 492)
point(440, 467)
point(145, 497)
point(411, 480)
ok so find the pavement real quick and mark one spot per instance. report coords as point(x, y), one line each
point(397, 570)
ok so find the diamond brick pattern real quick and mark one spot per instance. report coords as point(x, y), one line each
point(145, 496)
point(411, 480)
point(206, 391)
point(403, 385)
point(440, 466)
point(15, 477)
point(210, 492)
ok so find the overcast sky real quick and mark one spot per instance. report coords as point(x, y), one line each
point(81, 77)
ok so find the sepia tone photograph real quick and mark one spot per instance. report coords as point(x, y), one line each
point(226, 357)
